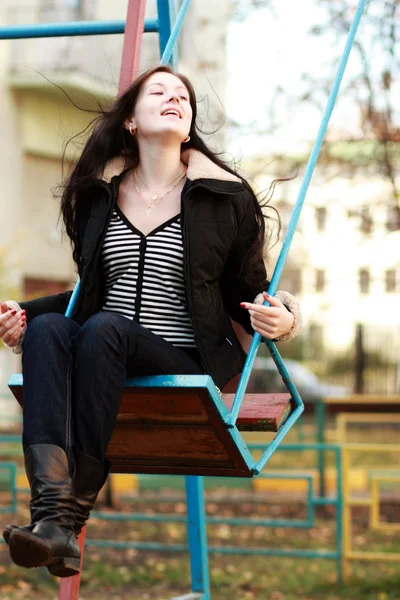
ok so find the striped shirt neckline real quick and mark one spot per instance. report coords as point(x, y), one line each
point(131, 226)
point(145, 277)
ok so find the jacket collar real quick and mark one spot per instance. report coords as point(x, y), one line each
point(200, 170)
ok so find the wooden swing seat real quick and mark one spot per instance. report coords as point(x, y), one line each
point(175, 425)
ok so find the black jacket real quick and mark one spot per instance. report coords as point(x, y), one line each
point(219, 225)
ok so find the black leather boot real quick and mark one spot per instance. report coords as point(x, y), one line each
point(90, 476)
point(49, 540)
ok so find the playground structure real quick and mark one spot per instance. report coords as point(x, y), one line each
point(210, 440)
point(346, 490)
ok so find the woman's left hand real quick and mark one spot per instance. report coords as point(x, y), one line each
point(270, 322)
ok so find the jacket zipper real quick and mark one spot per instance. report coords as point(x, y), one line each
point(188, 283)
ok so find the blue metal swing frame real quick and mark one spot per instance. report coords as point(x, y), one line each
point(194, 484)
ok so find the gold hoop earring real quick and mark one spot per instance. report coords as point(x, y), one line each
point(132, 130)
point(187, 139)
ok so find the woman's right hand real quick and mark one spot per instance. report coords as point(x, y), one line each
point(12, 325)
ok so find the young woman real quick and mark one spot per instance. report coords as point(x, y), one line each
point(168, 243)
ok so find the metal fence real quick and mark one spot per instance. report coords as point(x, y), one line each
point(341, 498)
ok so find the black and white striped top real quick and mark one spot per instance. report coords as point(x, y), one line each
point(144, 277)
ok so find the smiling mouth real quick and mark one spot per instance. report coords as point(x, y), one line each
point(169, 113)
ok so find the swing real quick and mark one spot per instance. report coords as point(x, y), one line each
point(177, 425)
point(182, 424)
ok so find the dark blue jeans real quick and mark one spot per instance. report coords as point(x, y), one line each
point(74, 377)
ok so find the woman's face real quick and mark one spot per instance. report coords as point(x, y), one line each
point(162, 109)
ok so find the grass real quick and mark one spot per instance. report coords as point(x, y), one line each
point(128, 574)
point(112, 576)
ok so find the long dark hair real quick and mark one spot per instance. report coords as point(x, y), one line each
point(109, 139)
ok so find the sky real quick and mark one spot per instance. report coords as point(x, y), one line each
point(267, 50)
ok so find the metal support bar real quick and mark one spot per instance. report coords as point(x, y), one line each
point(164, 25)
point(44, 30)
point(316, 149)
point(190, 597)
point(132, 44)
point(173, 15)
point(293, 222)
point(170, 45)
point(339, 517)
point(69, 586)
point(320, 417)
point(299, 408)
point(73, 300)
point(241, 389)
point(197, 536)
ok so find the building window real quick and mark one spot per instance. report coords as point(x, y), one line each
point(364, 281)
point(320, 218)
point(366, 221)
point(319, 280)
point(393, 218)
point(391, 281)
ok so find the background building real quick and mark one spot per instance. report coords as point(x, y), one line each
point(344, 266)
point(38, 119)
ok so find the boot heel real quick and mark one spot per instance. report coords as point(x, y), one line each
point(28, 551)
point(65, 567)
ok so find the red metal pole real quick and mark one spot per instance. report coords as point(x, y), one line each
point(69, 586)
point(132, 43)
